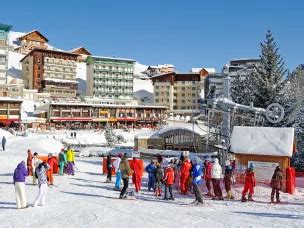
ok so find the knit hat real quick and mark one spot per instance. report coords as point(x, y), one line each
point(120, 155)
point(227, 163)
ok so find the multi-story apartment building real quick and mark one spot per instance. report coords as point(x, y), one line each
point(82, 114)
point(242, 67)
point(50, 71)
point(110, 77)
point(4, 50)
point(180, 92)
point(9, 110)
point(30, 41)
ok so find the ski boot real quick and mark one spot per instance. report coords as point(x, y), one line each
point(250, 198)
point(244, 199)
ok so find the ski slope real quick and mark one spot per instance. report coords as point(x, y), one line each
point(84, 200)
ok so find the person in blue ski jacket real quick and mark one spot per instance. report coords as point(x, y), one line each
point(151, 170)
point(197, 180)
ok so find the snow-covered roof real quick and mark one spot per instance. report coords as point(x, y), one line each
point(195, 69)
point(262, 141)
point(198, 69)
point(210, 70)
point(162, 66)
point(112, 58)
point(61, 80)
point(10, 99)
point(178, 127)
point(33, 31)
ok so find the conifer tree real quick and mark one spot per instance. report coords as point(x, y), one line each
point(269, 79)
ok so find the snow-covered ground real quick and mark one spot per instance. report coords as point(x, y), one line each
point(84, 200)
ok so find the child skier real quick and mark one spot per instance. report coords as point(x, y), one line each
point(228, 179)
point(249, 183)
point(52, 161)
point(158, 179)
point(71, 161)
point(276, 184)
point(168, 181)
point(126, 171)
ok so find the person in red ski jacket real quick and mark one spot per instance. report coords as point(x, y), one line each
point(168, 180)
point(250, 183)
point(185, 173)
point(207, 175)
point(53, 163)
point(136, 166)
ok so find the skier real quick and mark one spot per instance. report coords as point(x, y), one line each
point(158, 179)
point(109, 169)
point(35, 162)
point(3, 142)
point(276, 184)
point(207, 175)
point(116, 164)
point(151, 170)
point(159, 158)
point(216, 175)
point(197, 180)
point(185, 173)
point(52, 163)
point(249, 183)
point(126, 171)
point(228, 179)
point(177, 174)
point(29, 162)
point(62, 161)
point(168, 181)
point(137, 173)
point(182, 157)
point(40, 173)
point(20, 174)
point(71, 161)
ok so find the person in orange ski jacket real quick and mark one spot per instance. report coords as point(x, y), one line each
point(52, 161)
point(136, 166)
point(185, 173)
point(250, 183)
point(168, 180)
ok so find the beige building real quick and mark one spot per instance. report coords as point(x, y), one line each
point(50, 71)
point(179, 92)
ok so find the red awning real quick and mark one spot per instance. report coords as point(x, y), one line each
point(71, 119)
point(9, 121)
point(126, 119)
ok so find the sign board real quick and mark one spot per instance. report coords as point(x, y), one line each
point(3, 117)
point(263, 170)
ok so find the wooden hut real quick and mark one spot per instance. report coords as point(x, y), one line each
point(265, 147)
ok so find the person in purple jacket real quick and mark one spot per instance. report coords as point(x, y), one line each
point(20, 174)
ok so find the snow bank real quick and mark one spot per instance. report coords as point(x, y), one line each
point(44, 145)
point(262, 140)
point(6, 134)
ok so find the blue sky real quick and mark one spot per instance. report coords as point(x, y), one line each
point(186, 33)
